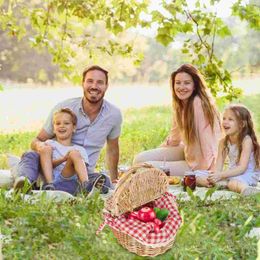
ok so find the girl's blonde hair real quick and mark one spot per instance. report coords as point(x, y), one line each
point(246, 127)
point(67, 111)
point(200, 89)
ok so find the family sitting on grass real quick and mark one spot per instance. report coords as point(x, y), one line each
point(68, 146)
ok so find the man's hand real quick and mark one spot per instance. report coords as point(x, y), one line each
point(38, 144)
point(41, 147)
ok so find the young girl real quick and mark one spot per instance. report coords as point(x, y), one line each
point(63, 163)
point(240, 145)
point(196, 130)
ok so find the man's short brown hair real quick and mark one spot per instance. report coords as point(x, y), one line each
point(67, 111)
point(94, 67)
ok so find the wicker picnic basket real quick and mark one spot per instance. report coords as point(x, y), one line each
point(140, 185)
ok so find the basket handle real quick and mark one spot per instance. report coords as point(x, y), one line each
point(131, 172)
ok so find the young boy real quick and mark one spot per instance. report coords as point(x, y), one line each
point(64, 164)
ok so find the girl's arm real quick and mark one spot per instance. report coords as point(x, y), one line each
point(247, 147)
point(220, 157)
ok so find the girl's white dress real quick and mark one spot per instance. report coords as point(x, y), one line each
point(250, 176)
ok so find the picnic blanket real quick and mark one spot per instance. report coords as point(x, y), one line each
point(7, 179)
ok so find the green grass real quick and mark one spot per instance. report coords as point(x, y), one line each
point(211, 230)
point(47, 230)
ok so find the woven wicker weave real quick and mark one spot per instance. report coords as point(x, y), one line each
point(141, 249)
point(141, 184)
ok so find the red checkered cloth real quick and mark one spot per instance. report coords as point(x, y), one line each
point(143, 231)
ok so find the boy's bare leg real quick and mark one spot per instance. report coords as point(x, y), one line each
point(46, 164)
point(75, 164)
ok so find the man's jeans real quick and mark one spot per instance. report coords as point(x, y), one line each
point(29, 167)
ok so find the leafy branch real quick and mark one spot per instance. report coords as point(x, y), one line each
point(204, 43)
point(64, 28)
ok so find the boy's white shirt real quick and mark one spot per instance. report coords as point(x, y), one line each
point(60, 150)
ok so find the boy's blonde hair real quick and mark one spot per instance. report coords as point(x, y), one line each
point(246, 125)
point(67, 111)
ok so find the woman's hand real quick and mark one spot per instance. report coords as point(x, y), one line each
point(215, 177)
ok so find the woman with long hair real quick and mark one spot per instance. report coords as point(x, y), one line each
point(193, 140)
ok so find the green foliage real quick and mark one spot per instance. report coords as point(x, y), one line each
point(20, 62)
point(64, 29)
point(62, 26)
point(201, 27)
point(249, 12)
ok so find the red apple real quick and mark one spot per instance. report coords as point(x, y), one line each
point(158, 222)
point(156, 229)
point(133, 215)
point(146, 214)
point(151, 224)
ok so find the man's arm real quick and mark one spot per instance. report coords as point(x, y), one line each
point(38, 142)
point(112, 157)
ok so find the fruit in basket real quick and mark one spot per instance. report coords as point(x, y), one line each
point(161, 214)
point(146, 214)
point(173, 180)
point(133, 215)
point(158, 222)
point(155, 227)
point(156, 210)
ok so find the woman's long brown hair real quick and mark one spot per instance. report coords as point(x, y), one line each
point(246, 124)
point(200, 89)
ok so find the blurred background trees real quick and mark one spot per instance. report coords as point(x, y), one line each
point(46, 41)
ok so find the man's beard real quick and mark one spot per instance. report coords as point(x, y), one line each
point(94, 100)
